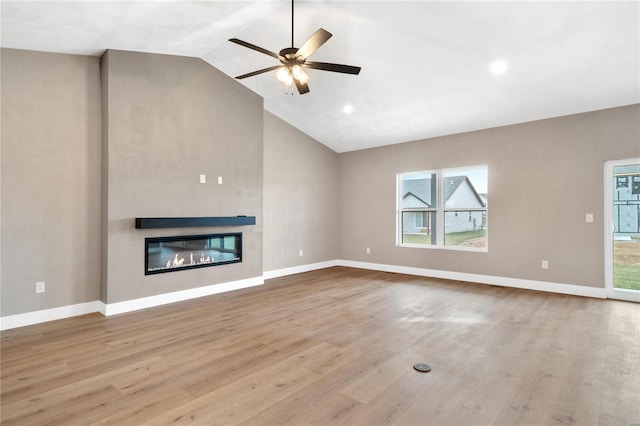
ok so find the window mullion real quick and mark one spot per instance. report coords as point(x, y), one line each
point(440, 210)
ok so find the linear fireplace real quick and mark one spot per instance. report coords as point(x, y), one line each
point(169, 254)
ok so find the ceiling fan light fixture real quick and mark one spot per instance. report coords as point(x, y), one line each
point(284, 76)
point(299, 74)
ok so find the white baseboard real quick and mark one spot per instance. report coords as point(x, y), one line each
point(299, 269)
point(36, 317)
point(30, 318)
point(576, 290)
point(176, 296)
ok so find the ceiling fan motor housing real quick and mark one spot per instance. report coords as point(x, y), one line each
point(290, 55)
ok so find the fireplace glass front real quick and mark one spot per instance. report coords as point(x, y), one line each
point(168, 254)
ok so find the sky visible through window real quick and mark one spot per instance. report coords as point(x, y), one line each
point(478, 178)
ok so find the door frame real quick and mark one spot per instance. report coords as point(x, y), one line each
point(612, 293)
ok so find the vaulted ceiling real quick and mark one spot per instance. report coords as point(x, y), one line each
point(426, 65)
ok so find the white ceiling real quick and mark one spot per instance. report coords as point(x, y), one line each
point(425, 64)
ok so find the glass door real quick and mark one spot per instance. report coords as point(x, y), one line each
point(622, 233)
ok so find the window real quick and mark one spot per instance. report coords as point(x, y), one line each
point(621, 182)
point(443, 208)
point(635, 186)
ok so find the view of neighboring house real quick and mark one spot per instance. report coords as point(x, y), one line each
point(626, 201)
point(459, 196)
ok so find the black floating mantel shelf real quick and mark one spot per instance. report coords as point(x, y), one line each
point(188, 222)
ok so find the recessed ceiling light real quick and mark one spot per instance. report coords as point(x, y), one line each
point(499, 67)
point(347, 109)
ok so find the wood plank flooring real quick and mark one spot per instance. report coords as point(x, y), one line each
point(334, 346)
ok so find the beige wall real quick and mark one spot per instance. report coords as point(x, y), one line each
point(170, 119)
point(544, 177)
point(166, 120)
point(50, 144)
point(300, 198)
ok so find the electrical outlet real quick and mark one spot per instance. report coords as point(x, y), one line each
point(588, 217)
point(219, 180)
point(203, 178)
point(40, 288)
point(368, 250)
point(301, 252)
point(545, 264)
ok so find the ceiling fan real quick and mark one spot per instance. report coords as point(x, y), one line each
point(293, 60)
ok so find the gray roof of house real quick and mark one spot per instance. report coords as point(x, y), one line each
point(421, 188)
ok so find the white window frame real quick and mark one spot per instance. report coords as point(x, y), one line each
point(440, 210)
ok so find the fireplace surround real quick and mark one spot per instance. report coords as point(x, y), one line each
point(178, 253)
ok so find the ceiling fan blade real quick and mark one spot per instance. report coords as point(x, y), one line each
point(251, 74)
point(256, 48)
point(302, 87)
point(325, 66)
point(316, 40)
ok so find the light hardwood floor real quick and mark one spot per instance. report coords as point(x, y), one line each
point(334, 346)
